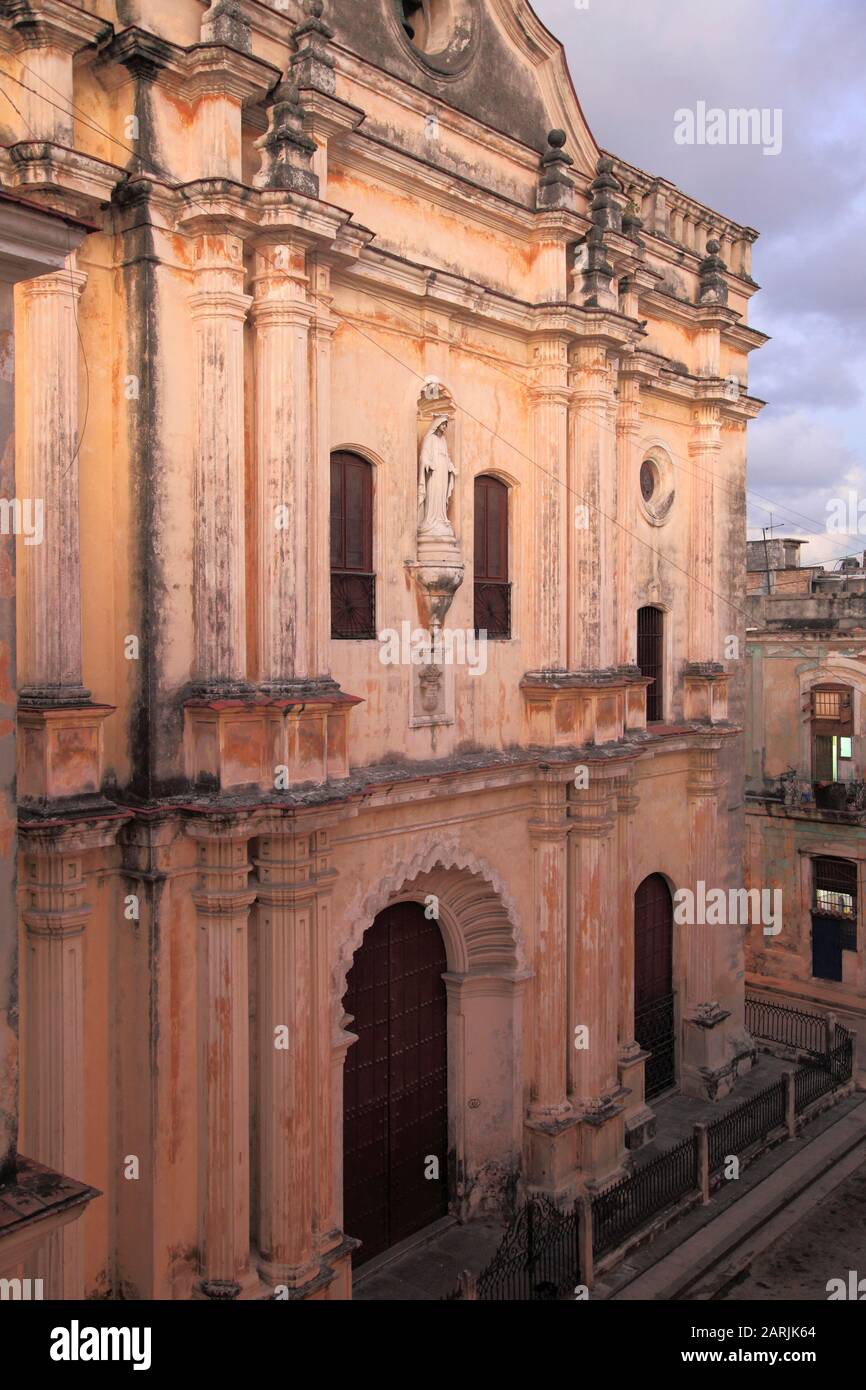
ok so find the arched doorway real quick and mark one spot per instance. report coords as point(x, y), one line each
point(653, 981)
point(395, 1096)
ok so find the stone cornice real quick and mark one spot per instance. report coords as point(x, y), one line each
point(50, 24)
point(364, 152)
point(185, 72)
point(77, 183)
point(669, 309)
point(33, 240)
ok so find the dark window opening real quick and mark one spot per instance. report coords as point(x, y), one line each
point(832, 724)
point(650, 656)
point(648, 479)
point(353, 584)
point(834, 884)
point(410, 9)
point(492, 587)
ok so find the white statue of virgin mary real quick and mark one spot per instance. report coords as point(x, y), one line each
point(435, 481)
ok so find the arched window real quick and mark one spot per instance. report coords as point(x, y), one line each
point(353, 584)
point(492, 589)
point(650, 659)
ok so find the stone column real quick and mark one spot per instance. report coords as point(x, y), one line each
point(324, 327)
point(53, 1114)
point(552, 1148)
point(631, 1066)
point(594, 951)
point(703, 1017)
point(285, 931)
point(704, 451)
point(592, 473)
point(628, 482)
point(627, 803)
point(552, 503)
point(51, 572)
point(222, 899)
point(219, 308)
point(287, 532)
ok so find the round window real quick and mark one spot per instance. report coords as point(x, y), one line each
point(656, 485)
point(648, 479)
point(442, 33)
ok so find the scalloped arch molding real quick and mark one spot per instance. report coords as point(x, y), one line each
point(477, 915)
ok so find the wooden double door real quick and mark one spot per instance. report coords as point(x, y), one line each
point(653, 982)
point(395, 1092)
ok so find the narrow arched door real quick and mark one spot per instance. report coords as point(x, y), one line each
point(653, 981)
point(395, 1106)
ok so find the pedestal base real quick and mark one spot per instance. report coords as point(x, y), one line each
point(715, 1054)
point(602, 1141)
point(552, 1156)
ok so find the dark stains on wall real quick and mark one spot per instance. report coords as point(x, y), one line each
point(493, 88)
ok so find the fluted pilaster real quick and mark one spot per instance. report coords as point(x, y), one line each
point(704, 452)
point(548, 831)
point(552, 501)
point(219, 307)
point(288, 596)
point(285, 930)
point(52, 566)
point(592, 480)
point(222, 899)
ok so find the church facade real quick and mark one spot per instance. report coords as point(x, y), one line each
point(379, 669)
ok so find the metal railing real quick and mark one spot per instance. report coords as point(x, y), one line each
point(546, 1251)
point(746, 1124)
point(538, 1258)
point(636, 1198)
point(780, 1023)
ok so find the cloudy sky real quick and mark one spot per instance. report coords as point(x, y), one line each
point(636, 62)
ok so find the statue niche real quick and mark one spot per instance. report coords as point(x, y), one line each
point(438, 570)
point(436, 474)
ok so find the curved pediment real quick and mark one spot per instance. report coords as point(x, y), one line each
point(490, 59)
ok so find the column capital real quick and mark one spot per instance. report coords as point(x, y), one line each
point(60, 284)
point(219, 303)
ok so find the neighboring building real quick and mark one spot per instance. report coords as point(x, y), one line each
point(372, 337)
point(806, 779)
point(39, 1205)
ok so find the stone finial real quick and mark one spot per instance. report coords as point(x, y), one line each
point(225, 22)
point(555, 186)
point(312, 65)
point(606, 210)
point(713, 288)
point(286, 149)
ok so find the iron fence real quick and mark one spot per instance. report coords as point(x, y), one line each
point(636, 1198)
point(790, 1027)
point(538, 1258)
point(746, 1124)
point(819, 1078)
